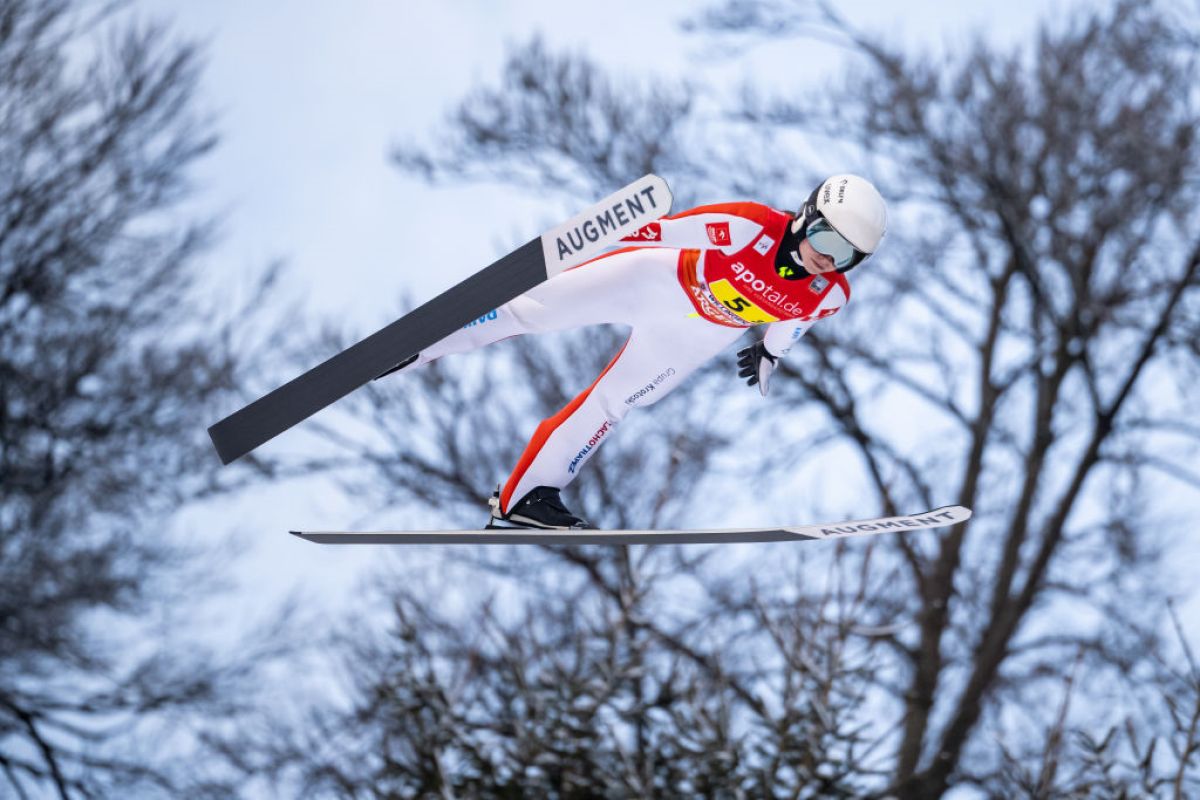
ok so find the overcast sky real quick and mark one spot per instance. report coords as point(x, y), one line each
point(309, 96)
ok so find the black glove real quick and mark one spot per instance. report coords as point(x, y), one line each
point(755, 364)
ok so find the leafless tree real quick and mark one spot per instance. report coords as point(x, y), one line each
point(108, 371)
point(1042, 301)
point(1024, 345)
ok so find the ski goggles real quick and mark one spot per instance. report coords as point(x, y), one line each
point(827, 241)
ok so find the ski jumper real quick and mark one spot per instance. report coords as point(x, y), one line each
point(688, 286)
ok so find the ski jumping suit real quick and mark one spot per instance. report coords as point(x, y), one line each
point(709, 275)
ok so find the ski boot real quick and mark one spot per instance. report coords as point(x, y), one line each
point(541, 508)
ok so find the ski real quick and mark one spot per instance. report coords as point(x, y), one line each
point(578, 239)
point(938, 518)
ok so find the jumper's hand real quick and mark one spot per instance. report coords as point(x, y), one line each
point(756, 363)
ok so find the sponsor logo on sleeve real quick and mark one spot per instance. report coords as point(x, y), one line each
point(718, 233)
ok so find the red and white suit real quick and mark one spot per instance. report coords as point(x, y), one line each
point(688, 286)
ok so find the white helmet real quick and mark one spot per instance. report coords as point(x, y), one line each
point(845, 217)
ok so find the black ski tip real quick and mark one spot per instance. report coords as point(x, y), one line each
point(226, 455)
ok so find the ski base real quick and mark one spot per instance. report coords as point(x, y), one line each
point(938, 518)
point(580, 238)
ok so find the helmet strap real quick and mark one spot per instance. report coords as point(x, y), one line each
point(787, 257)
point(806, 213)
